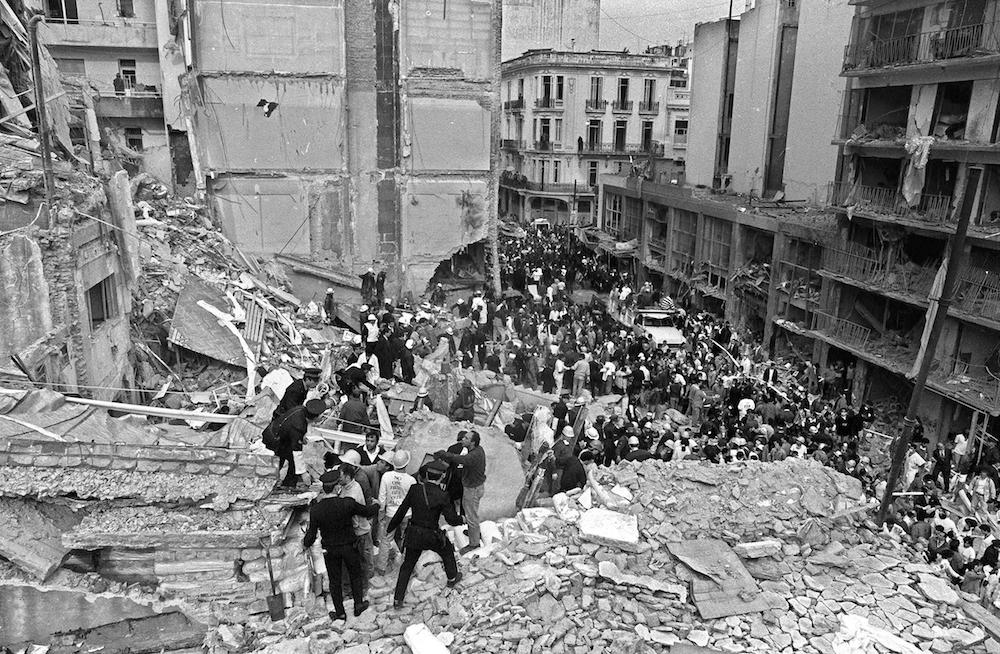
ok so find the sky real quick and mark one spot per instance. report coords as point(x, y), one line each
point(634, 24)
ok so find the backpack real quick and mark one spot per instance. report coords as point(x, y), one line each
point(269, 437)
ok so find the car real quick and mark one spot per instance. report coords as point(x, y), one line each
point(540, 223)
point(660, 325)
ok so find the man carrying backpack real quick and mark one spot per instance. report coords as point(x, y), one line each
point(286, 435)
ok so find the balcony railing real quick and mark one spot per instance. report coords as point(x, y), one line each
point(121, 31)
point(655, 148)
point(978, 293)
point(649, 107)
point(620, 106)
point(547, 146)
point(866, 265)
point(680, 140)
point(597, 105)
point(843, 330)
point(888, 201)
point(925, 47)
point(514, 105)
point(548, 103)
point(511, 144)
point(978, 383)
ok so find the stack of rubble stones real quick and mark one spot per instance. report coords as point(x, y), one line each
point(555, 583)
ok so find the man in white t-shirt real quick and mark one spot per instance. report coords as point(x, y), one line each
point(914, 462)
point(392, 491)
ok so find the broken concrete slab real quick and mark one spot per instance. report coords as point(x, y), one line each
point(610, 528)
point(720, 585)
point(758, 549)
point(610, 571)
point(31, 534)
point(937, 589)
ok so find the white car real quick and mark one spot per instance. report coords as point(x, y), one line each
point(659, 325)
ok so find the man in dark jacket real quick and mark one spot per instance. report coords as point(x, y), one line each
point(354, 415)
point(427, 502)
point(406, 362)
point(290, 430)
point(295, 394)
point(473, 483)
point(331, 516)
point(463, 407)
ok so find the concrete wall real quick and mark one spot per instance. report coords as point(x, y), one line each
point(810, 159)
point(446, 34)
point(101, 64)
point(304, 132)
point(465, 121)
point(304, 36)
point(156, 158)
point(708, 66)
point(558, 24)
point(171, 67)
point(760, 31)
point(25, 314)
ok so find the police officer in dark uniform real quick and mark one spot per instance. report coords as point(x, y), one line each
point(295, 394)
point(428, 502)
point(331, 517)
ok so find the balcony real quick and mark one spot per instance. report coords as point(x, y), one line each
point(547, 146)
point(655, 148)
point(649, 107)
point(680, 141)
point(976, 385)
point(978, 293)
point(622, 106)
point(598, 106)
point(514, 105)
point(679, 98)
point(512, 144)
point(845, 331)
point(111, 33)
point(971, 41)
point(548, 104)
point(868, 266)
point(887, 201)
point(135, 104)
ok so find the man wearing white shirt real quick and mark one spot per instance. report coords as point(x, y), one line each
point(394, 486)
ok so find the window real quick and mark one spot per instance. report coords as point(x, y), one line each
point(557, 130)
point(632, 220)
point(559, 87)
point(682, 245)
point(102, 301)
point(592, 173)
point(555, 171)
point(596, 89)
point(623, 89)
point(594, 134)
point(678, 83)
point(649, 91)
point(125, 9)
point(647, 135)
point(520, 89)
point(519, 128)
point(133, 138)
point(71, 66)
point(718, 235)
point(127, 69)
point(546, 87)
point(621, 129)
point(613, 213)
point(77, 135)
point(62, 11)
point(681, 127)
point(509, 90)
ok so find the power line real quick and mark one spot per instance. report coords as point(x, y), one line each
point(638, 36)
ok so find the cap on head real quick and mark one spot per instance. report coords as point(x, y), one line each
point(387, 457)
point(329, 290)
point(633, 440)
point(330, 477)
point(422, 392)
point(315, 408)
point(371, 317)
point(400, 459)
point(364, 307)
point(409, 344)
point(567, 431)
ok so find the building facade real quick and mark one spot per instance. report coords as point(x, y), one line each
point(570, 117)
point(846, 278)
point(122, 64)
point(572, 25)
point(341, 134)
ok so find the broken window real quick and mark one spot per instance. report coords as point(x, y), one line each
point(632, 221)
point(102, 301)
point(682, 242)
point(71, 66)
point(891, 38)
point(884, 112)
point(982, 195)
point(647, 135)
point(613, 213)
point(718, 236)
point(127, 69)
point(951, 110)
point(133, 138)
point(61, 11)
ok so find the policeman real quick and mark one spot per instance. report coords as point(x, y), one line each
point(331, 517)
point(428, 502)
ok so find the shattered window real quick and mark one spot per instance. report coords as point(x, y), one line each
point(102, 301)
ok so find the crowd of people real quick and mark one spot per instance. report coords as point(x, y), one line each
point(715, 397)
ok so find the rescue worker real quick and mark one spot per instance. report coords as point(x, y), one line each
point(332, 517)
point(290, 430)
point(330, 307)
point(427, 502)
point(463, 407)
point(295, 394)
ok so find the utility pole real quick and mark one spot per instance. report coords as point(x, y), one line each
point(496, 158)
point(956, 255)
point(40, 114)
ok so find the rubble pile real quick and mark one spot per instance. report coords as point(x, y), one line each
point(751, 558)
point(176, 519)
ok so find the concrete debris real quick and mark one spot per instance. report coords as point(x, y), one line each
point(606, 527)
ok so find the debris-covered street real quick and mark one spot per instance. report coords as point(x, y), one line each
point(495, 326)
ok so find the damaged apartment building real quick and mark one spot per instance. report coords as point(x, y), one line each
point(348, 133)
point(828, 248)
